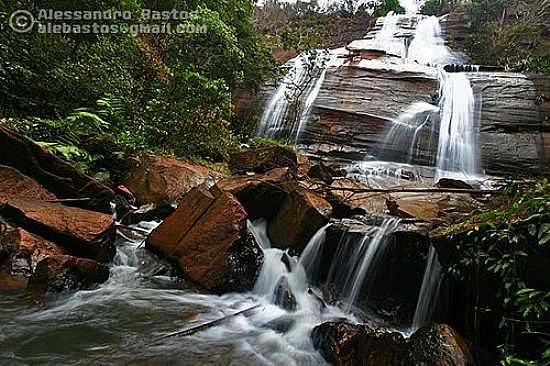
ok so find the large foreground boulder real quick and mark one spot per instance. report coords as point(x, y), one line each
point(16, 184)
point(300, 216)
point(263, 159)
point(81, 232)
point(208, 240)
point(342, 343)
point(64, 272)
point(157, 179)
point(52, 173)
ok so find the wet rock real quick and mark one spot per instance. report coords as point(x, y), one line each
point(81, 232)
point(158, 179)
point(261, 194)
point(263, 159)
point(302, 213)
point(342, 343)
point(323, 172)
point(16, 184)
point(208, 240)
point(413, 207)
point(149, 212)
point(283, 295)
point(452, 183)
point(64, 272)
point(440, 345)
point(281, 324)
point(338, 342)
point(303, 164)
point(125, 192)
point(23, 250)
point(54, 174)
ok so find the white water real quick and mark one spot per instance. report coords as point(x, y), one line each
point(385, 39)
point(368, 261)
point(429, 292)
point(275, 113)
point(428, 46)
point(332, 59)
point(458, 150)
point(405, 129)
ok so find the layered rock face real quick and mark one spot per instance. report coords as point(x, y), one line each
point(355, 107)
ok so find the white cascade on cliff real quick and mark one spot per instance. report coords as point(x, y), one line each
point(458, 150)
point(428, 46)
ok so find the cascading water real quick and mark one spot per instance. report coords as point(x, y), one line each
point(332, 59)
point(403, 136)
point(274, 114)
point(457, 153)
point(367, 263)
point(429, 292)
point(428, 46)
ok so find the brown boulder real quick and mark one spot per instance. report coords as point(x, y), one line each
point(64, 272)
point(440, 345)
point(300, 216)
point(348, 344)
point(54, 174)
point(325, 173)
point(417, 208)
point(23, 250)
point(81, 232)
point(158, 178)
point(452, 183)
point(261, 194)
point(263, 159)
point(207, 238)
point(16, 184)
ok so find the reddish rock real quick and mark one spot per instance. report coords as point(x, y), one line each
point(417, 208)
point(23, 250)
point(65, 273)
point(125, 192)
point(54, 174)
point(355, 344)
point(261, 194)
point(81, 232)
point(208, 240)
point(16, 184)
point(303, 164)
point(158, 178)
point(300, 216)
point(263, 159)
point(324, 173)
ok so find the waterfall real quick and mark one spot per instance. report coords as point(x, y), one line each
point(355, 262)
point(310, 259)
point(274, 114)
point(429, 292)
point(428, 46)
point(331, 60)
point(403, 135)
point(457, 153)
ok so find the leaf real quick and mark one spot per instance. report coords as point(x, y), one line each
point(544, 228)
point(545, 239)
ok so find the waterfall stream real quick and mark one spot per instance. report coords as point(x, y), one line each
point(429, 292)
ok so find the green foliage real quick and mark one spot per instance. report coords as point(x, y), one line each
point(385, 6)
point(506, 244)
point(89, 97)
point(435, 7)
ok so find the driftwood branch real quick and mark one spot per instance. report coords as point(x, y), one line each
point(61, 200)
point(207, 325)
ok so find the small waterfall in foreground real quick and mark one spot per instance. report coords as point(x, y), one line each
point(274, 114)
point(310, 259)
point(368, 261)
point(458, 151)
point(429, 292)
point(428, 45)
